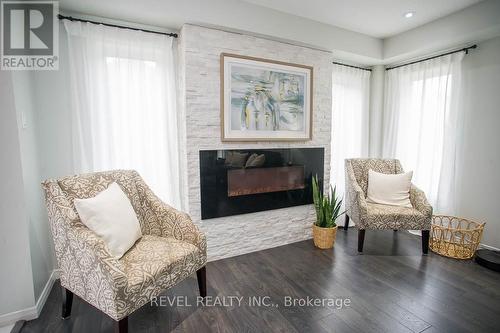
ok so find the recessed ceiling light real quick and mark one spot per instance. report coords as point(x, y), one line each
point(409, 14)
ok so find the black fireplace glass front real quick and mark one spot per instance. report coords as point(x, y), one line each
point(240, 181)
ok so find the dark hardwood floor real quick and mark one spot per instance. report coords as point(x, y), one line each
point(391, 287)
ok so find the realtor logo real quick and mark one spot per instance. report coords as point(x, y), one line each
point(30, 35)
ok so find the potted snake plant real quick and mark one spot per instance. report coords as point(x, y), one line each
point(327, 212)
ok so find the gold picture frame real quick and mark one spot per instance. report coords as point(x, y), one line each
point(279, 94)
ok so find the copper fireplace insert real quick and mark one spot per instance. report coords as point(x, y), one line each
point(264, 180)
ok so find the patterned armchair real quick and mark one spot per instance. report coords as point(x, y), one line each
point(376, 216)
point(171, 248)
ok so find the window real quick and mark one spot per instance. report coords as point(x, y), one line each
point(124, 115)
point(350, 107)
point(422, 119)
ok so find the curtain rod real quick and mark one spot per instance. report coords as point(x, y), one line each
point(341, 64)
point(465, 49)
point(70, 18)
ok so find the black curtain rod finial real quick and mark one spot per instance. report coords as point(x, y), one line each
point(70, 18)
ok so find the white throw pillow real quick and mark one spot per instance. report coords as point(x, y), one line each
point(389, 189)
point(111, 216)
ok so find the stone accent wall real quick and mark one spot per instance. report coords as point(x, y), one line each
point(199, 73)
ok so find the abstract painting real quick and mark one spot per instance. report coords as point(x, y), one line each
point(265, 100)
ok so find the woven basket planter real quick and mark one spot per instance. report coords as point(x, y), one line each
point(324, 238)
point(455, 237)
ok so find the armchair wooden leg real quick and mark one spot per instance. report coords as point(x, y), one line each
point(361, 239)
point(395, 230)
point(425, 241)
point(121, 326)
point(346, 224)
point(201, 274)
point(67, 302)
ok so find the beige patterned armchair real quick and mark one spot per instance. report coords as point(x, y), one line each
point(376, 216)
point(171, 248)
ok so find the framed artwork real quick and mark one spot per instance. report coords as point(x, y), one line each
point(265, 100)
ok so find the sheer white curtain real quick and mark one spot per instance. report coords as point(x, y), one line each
point(124, 104)
point(422, 122)
point(350, 116)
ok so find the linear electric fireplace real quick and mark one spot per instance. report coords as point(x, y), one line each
point(243, 181)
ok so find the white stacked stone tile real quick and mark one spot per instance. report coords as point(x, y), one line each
point(199, 76)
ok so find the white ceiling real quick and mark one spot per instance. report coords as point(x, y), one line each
point(376, 18)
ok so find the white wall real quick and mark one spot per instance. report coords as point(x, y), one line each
point(480, 163)
point(53, 115)
point(40, 240)
point(377, 81)
point(200, 50)
point(16, 288)
point(41, 112)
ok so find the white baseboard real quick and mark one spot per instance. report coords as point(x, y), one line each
point(46, 291)
point(12, 317)
point(484, 246)
point(34, 311)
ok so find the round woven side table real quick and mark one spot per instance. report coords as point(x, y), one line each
point(455, 237)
